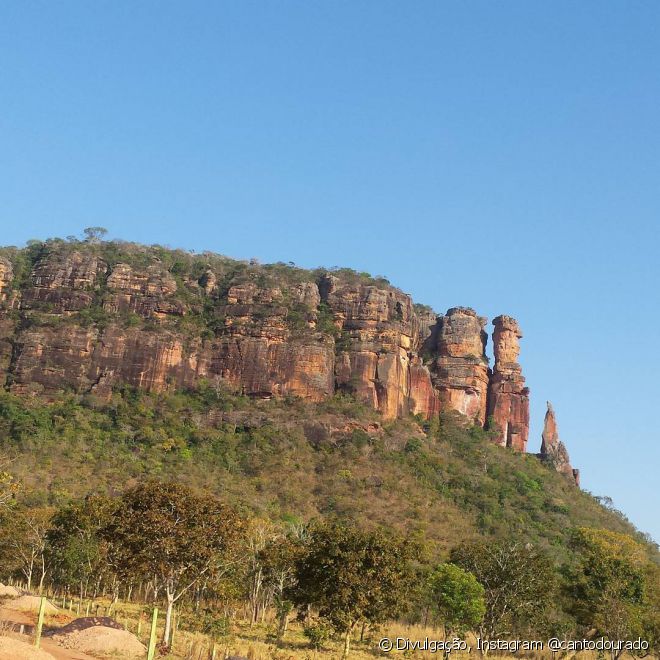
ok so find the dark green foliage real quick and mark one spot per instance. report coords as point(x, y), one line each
point(457, 597)
point(264, 461)
point(612, 586)
point(77, 552)
point(318, 632)
point(518, 580)
point(351, 576)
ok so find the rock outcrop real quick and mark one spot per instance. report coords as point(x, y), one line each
point(460, 372)
point(93, 317)
point(553, 450)
point(63, 283)
point(508, 398)
point(147, 293)
point(6, 276)
point(377, 344)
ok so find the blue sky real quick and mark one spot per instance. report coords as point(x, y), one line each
point(504, 156)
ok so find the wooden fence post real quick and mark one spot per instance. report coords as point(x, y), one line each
point(151, 650)
point(175, 620)
point(40, 622)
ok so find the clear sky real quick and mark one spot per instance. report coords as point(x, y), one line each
point(501, 155)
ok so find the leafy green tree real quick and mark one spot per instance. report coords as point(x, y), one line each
point(94, 234)
point(79, 553)
point(8, 485)
point(458, 598)
point(278, 559)
point(518, 583)
point(23, 541)
point(353, 576)
point(609, 585)
point(169, 534)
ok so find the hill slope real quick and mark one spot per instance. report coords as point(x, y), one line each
point(124, 361)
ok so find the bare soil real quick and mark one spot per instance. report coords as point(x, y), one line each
point(8, 591)
point(100, 640)
point(31, 604)
point(15, 649)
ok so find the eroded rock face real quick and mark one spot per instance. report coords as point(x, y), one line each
point(377, 349)
point(508, 398)
point(147, 293)
point(91, 325)
point(460, 372)
point(6, 276)
point(261, 354)
point(63, 283)
point(553, 449)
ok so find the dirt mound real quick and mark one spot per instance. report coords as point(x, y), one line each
point(100, 640)
point(31, 604)
point(14, 649)
point(84, 622)
point(8, 591)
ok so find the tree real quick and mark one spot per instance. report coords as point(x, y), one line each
point(167, 533)
point(518, 583)
point(8, 484)
point(78, 551)
point(94, 234)
point(353, 576)
point(609, 584)
point(23, 537)
point(278, 559)
point(458, 598)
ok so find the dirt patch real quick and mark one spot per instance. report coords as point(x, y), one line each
point(8, 591)
point(14, 649)
point(31, 604)
point(84, 622)
point(99, 640)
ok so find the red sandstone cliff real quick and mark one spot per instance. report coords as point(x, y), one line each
point(92, 317)
point(508, 398)
point(461, 369)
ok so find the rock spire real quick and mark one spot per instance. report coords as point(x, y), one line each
point(508, 398)
point(553, 449)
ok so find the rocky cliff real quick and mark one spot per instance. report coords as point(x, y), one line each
point(508, 398)
point(553, 450)
point(90, 317)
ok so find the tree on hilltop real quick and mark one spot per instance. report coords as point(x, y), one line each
point(94, 234)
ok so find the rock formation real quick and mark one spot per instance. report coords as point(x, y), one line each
point(92, 317)
point(62, 283)
point(460, 372)
point(378, 340)
point(508, 398)
point(6, 276)
point(553, 450)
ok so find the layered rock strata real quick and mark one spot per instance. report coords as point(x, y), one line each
point(553, 450)
point(377, 348)
point(460, 372)
point(508, 397)
point(88, 321)
point(6, 276)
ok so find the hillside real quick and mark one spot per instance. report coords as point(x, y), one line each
point(289, 461)
point(292, 393)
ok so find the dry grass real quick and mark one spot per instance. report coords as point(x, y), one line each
point(258, 642)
